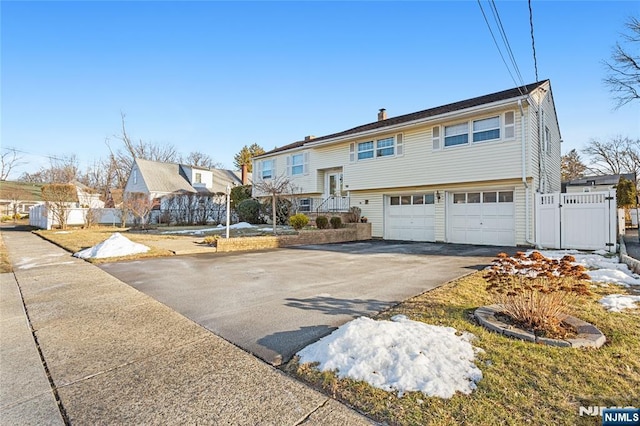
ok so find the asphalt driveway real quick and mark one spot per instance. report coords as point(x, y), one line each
point(273, 303)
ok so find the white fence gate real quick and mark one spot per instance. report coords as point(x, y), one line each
point(582, 221)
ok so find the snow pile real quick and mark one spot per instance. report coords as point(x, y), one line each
point(618, 302)
point(399, 355)
point(601, 268)
point(115, 245)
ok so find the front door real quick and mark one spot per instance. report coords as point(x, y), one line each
point(334, 184)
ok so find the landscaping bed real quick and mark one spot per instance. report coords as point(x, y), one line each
point(522, 382)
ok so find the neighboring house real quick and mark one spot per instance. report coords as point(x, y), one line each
point(20, 195)
point(595, 183)
point(87, 197)
point(465, 172)
point(171, 185)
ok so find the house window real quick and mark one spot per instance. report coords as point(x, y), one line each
point(267, 169)
point(135, 177)
point(418, 199)
point(456, 135)
point(473, 197)
point(486, 130)
point(385, 147)
point(429, 198)
point(198, 178)
point(395, 201)
point(547, 140)
point(505, 196)
point(365, 150)
point(489, 197)
point(305, 204)
point(297, 164)
point(459, 198)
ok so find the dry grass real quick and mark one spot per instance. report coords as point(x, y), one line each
point(523, 383)
point(74, 240)
point(5, 264)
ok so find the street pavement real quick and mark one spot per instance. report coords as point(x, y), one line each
point(112, 355)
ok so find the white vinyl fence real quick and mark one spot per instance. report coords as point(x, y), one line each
point(40, 217)
point(583, 221)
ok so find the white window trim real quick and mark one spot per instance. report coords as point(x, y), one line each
point(398, 148)
point(261, 168)
point(305, 164)
point(439, 141)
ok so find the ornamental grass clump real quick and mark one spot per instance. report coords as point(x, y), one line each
point(536, 291)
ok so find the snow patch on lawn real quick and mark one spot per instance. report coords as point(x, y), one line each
point(115, 245)
point(619, 302)
point(399, 355)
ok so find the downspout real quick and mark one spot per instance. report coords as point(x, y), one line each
point(527, 212)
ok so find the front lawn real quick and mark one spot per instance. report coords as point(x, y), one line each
point(74, 240)
point(523, 383)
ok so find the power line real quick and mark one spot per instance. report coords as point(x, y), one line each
point(533, 43)
point(50, 157)
point(505, 40)
point(498, 47)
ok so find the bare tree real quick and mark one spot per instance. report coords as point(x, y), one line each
point(618, 155)
point(58, 198)
point(139, 205)
point(16, 194)
point(200, 159)
point(275, 188)
point(121, 159)
point(92, 217)
point(571, 166)
point(61, 170)
point(623, 71)
point(8, 161)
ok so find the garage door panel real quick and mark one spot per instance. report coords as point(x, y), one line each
point(410, 222)
point(487, 222)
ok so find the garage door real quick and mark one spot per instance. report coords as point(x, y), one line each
point(485, 217)
point(410, 217)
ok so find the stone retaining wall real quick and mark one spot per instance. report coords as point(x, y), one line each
point(632, 263)
point(351, 232)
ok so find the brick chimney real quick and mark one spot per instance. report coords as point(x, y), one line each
point(382, 114)
point(244, 174)
point(308, 138)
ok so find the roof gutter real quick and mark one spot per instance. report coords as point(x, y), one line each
point(402, 126)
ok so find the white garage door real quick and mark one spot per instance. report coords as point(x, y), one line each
point(485, 217)
point(410, 217)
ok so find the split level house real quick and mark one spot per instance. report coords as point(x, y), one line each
point(466, 172)
point(181, 192)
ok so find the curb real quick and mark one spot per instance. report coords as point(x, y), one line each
point(632, 263)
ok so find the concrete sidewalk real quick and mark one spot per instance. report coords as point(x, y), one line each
point(116, 356)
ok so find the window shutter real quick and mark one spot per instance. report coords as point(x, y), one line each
point(305, 165)
point(352, 152)
point(259, 164)
point(399, 145)
point(435, 137)
point(273, 169)
point(509, 125)
point(288, 165)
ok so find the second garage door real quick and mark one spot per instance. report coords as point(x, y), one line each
point(484, 217)
point(410, 217)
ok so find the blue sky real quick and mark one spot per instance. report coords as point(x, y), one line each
point(213, 76)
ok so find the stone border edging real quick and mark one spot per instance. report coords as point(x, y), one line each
point(588, 334)
point(632, 263)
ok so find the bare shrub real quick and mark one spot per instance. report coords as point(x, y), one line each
point(536, 291)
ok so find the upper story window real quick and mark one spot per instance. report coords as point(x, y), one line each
point(385, 147)
point(499, 127)
point(547, 140)
point(297, 164)
point(365, 150)
point(487, 129)
point(268, 169)
point(198, 178)
point(457, 134)
point(135, 177)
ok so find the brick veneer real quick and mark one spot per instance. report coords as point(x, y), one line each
point(351, 232)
